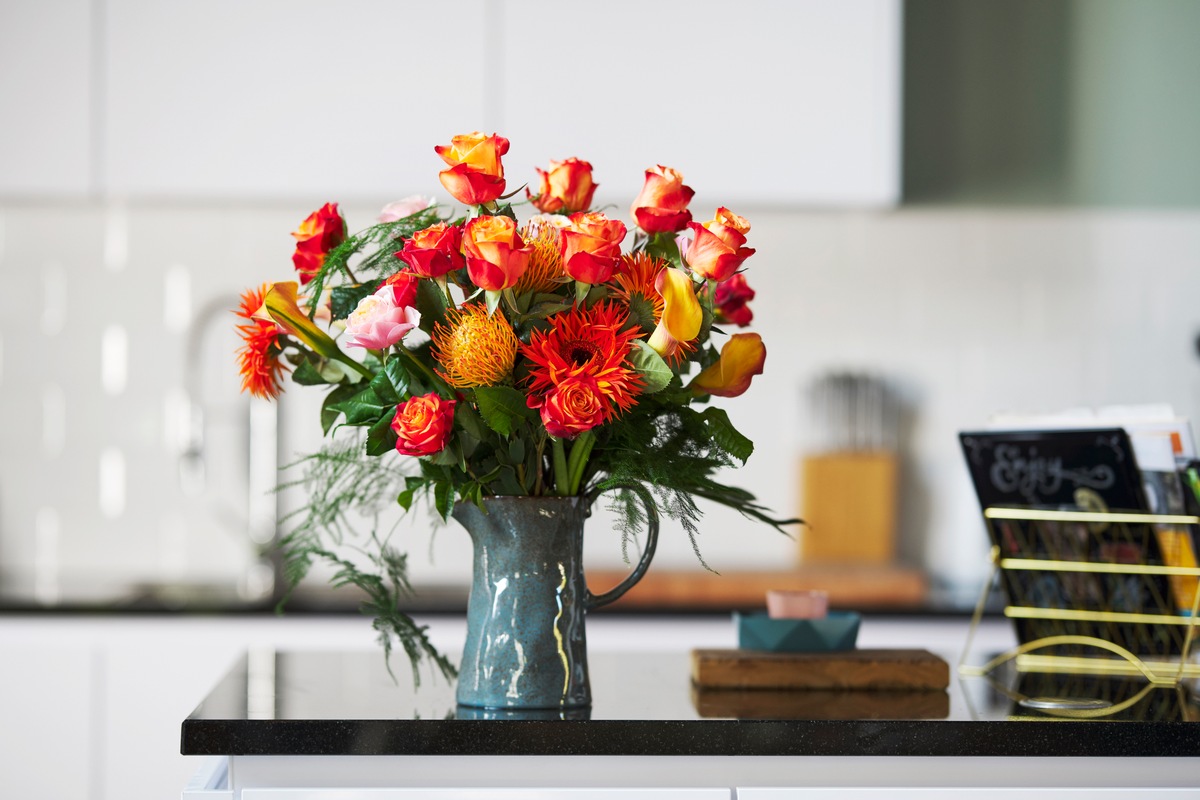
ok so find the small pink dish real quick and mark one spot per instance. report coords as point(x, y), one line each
point(797, 604)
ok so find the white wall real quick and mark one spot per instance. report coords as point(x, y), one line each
point(967, 312)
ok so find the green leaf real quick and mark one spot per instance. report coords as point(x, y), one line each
point(727, 437)
point(443, 498)
point(382, 386)
point(364, 408)
point(306, 374)
point(651, 367)
point(469, 420)
point(344, 299)
point(431, 303)
point(398, 374)
point(662, 245)
point(516, 450)
point(329, 410)
point(381, 438)
point(501, 407)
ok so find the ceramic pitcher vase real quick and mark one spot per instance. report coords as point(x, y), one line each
point(526, 647)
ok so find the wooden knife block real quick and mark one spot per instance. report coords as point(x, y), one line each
point(849, 502)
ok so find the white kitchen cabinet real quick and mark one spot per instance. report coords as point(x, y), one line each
point(46, 86)
point(287, 98)
point(755, 102)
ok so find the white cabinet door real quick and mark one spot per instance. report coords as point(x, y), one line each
point(754, 102)
point(45, 96)
point(291, 98)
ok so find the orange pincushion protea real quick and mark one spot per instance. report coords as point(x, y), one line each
point(544, 272)
point(474, 349)
point(258, 358)
point(586, 342)
point(633, 283)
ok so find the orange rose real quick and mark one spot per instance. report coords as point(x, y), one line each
point(742, 358)
point(576, 405)
point(323, 230)
point(404, 288)
point(433, 252)
point(476, 175)
point(496, 256)
point(591, 246)
point(662, 205)
point(716, 251)
point(565, 188)
point(423, 425)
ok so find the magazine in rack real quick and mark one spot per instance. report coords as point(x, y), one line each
point(1081, 469)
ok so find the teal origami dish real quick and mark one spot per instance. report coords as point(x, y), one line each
point(837, 631)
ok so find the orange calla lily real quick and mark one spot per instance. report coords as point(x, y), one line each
point(681, 316)
point(741, 359)
point(281, 306)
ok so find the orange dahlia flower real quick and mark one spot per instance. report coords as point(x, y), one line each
point(258, 357)
point(587, 342)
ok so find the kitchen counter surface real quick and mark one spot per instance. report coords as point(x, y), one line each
point(284, 703)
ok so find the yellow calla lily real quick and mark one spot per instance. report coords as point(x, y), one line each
point(281, 306)
point(681, 316)
point(741, 359)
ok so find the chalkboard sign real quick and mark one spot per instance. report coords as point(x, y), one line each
point(1046, 469)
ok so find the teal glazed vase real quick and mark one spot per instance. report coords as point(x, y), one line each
point(526, 646)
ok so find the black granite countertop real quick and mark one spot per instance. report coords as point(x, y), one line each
point(283, 703)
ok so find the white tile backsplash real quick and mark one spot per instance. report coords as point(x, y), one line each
point(964, 312)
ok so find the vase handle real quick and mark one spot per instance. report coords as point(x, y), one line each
point(596, 600)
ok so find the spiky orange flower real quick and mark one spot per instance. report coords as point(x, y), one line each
point(586, 342)
point(474, 349)
point(258, 357)
point(544, 272)
point(633, 285)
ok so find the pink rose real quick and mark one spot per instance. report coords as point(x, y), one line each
point(404, 208)
point(379, 323)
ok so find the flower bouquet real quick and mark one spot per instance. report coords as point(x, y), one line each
point(478, 356)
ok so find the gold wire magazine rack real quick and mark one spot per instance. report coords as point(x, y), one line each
point(1102, 593)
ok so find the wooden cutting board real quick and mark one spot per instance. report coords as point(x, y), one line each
point(850, 669)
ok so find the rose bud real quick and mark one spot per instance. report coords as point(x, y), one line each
point(378, 323)
point(567, 187)
point(716, 251)
point(661, 207)
point(423, 425)
point(476, 175)
point(591, 246)
point(433, 252)
point(321, 231)
point(495, 254)
point(741, 359)
point(731, 299)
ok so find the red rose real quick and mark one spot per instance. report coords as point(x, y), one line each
point(423, 425)
point(591, 246)
point(731, 299)
point(323, 230)
point(404, 284)
point(567, 187)
point(574, 406)
point(661, 207)
point(434, 251)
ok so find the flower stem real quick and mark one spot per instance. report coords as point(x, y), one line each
point(561, 475)
point(580, 450)
point(438, 384)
